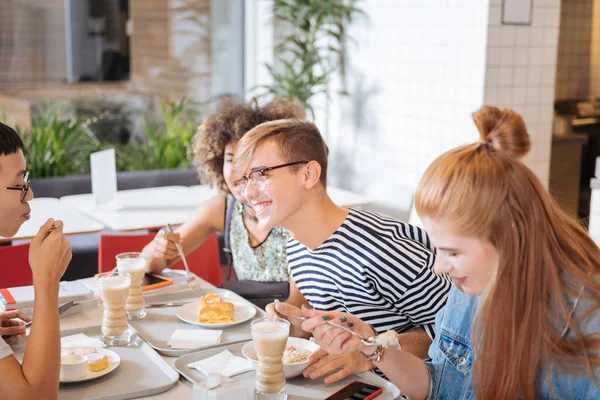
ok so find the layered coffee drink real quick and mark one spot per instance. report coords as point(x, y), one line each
point(114, 287)
point(270, 337)
point(135, 265)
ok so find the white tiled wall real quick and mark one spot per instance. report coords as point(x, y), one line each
point(521, 74)
point(574, 70)
point(419, 70)
point(415, 76)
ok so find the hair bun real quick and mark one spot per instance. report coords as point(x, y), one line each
point(503, 129)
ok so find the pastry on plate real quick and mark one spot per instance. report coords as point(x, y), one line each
point(214, 310)
point(97, 362)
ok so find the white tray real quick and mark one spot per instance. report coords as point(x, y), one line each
point(297, 388)
point(142, 372)
point(160, 323)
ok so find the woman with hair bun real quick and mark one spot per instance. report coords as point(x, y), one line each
point(523, 317)
point(258, 255)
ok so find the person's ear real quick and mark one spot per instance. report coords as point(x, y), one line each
point(312, 174)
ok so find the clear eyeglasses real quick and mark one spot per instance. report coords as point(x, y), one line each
point(24, 188)
point(258, 177)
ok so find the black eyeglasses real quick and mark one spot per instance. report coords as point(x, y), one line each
point(258, 177)
point(24, 188)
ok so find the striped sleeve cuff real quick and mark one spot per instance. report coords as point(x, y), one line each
point(430, 330)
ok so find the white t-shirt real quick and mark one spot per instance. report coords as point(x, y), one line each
point(5, 350)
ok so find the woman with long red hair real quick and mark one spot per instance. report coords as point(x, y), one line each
point(523, 317)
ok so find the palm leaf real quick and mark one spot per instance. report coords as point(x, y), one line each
point(304, 66)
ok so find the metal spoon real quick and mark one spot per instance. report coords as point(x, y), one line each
point(366, 341)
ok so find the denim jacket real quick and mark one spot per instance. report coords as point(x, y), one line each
point(451, 356)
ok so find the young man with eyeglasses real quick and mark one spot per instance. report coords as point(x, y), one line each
point(354, 261)
point(49, 256)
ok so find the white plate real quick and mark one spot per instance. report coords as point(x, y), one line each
point(290, 370)
point(241, 313)
point(113, 362)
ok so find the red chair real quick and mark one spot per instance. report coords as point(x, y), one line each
point(204, 261)
point(15, 269)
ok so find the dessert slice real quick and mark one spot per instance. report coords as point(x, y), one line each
point(213, 310)
point(97, 362)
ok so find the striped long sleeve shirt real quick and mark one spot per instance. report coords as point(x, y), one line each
point(376, 268)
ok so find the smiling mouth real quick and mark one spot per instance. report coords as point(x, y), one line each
point(260, 207)
point(459, 280)
point(27, 215)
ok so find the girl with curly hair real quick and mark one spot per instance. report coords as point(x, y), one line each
point(258, 254)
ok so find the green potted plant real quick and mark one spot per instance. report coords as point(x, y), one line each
point(167, 141)
point(314, 49)
point(58, 147)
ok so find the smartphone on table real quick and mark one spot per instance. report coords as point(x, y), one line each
point(356, 391)
point(152, 281)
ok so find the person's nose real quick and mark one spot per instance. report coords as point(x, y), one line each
point(29, 196)
point(442, 266)
point(251, 191)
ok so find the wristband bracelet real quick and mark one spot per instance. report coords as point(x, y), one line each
point(376, 356)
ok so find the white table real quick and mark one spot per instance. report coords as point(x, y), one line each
point(181, 390)
point(47, 207)
point(93, 317)
point(153, 208)
point(150, 208)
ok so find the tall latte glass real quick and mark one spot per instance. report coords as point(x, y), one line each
point(135, 265)
point(269, 337)
point(114, 287)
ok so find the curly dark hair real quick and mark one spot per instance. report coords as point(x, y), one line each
point(230, 122)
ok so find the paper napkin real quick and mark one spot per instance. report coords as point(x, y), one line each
point(80, 340)
point(194, 338)
point(224, 363)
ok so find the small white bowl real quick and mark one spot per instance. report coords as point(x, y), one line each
point(290, 370)
point(73, 366)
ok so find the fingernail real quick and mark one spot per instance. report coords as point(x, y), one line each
point(325, 318)
point(350, 324)
point(343, 319)
point(307, 306)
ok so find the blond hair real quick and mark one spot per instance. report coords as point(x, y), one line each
point(298, 140)
point(545, 258)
